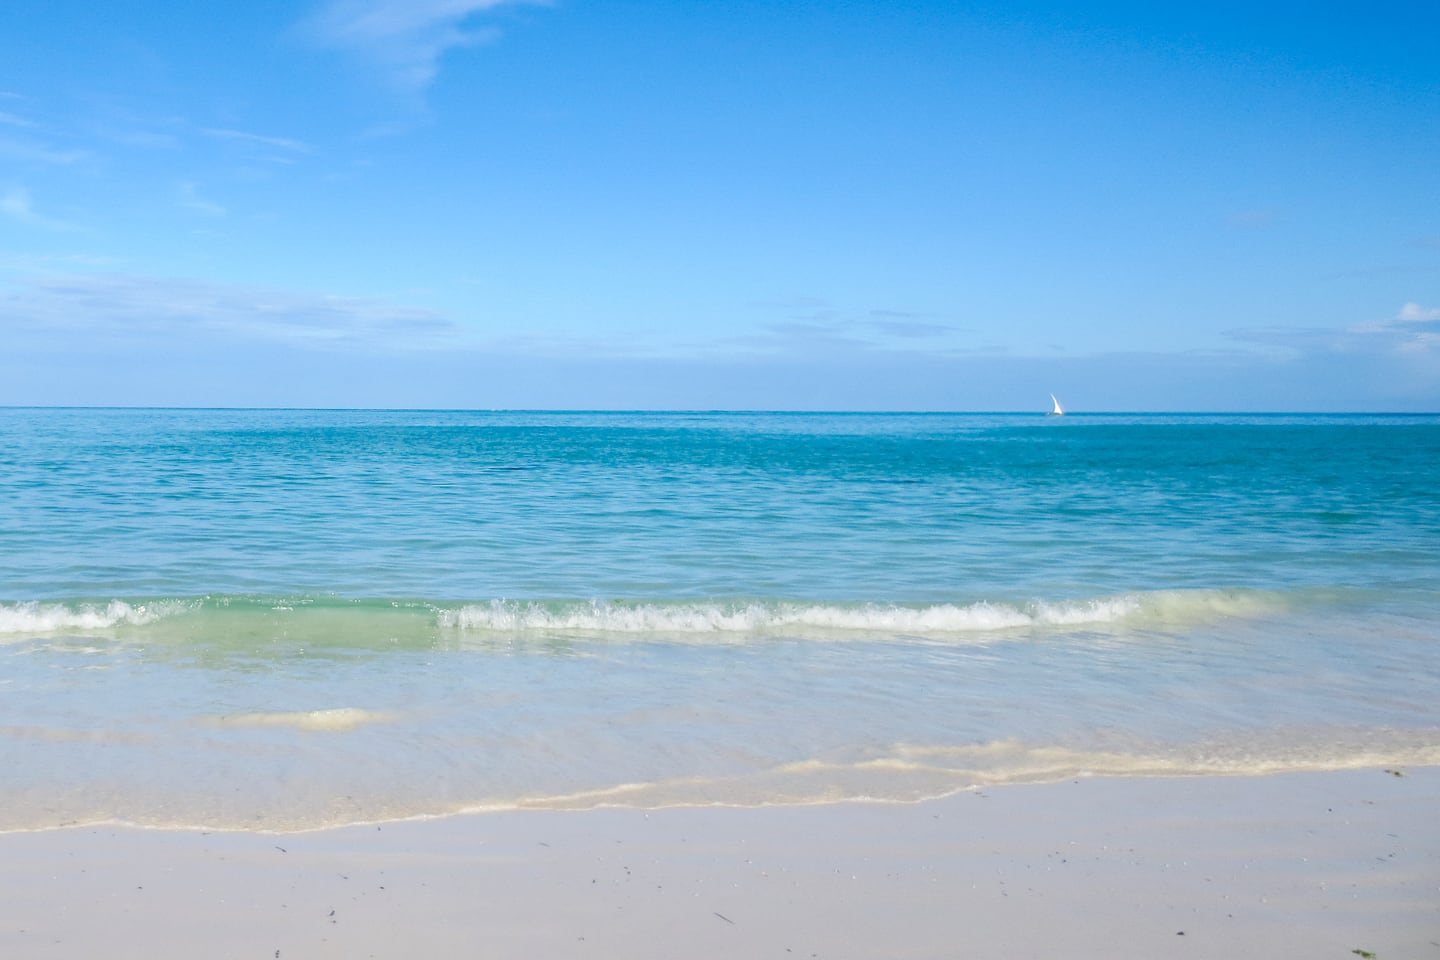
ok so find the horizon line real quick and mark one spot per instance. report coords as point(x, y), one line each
point(725, 410)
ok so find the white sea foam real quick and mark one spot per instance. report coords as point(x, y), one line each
point(703, 618)
point(654, 617)
point(335, 720)
point(915, 773)
point(35, 617)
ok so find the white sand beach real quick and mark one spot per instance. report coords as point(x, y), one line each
point(1291, 865)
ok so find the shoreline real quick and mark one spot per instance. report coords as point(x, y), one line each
point(1317, 864)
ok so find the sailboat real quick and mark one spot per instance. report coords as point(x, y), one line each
point(1059, 411)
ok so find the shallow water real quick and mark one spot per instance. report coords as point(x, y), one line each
point(289, 619)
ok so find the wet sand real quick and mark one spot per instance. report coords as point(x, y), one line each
point(1290, 865)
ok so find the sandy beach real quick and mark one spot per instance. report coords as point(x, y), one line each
point(1301, 864)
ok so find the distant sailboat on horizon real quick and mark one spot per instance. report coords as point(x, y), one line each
point(1059, 411)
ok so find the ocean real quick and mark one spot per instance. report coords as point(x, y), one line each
point(283, 620)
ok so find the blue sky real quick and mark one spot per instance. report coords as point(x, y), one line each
point(485, 203)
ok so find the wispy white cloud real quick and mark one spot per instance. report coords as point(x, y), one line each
point(811, 333)
point(190, 198)
point(1289, 343)
point(1408, 320)
point(405, 38)
point(30, 151)
point(30, 141)
point(181, 310)
point(30, 263)
point(1413, 332)
point(1416, 331)
point(115, 119)
point(560, 345)
point(810, 323)
point(1414, 313)
point(15, 203)
point(145, 139)
point(906, 326)
point(259, 140)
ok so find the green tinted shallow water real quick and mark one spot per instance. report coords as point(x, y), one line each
point(284, 619)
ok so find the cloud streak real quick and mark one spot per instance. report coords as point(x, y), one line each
point(810, 323)
point(255, 139)
point(1411, 336)
point(1414, 313)
point(15, 203)
point(29, 151)
point(405, 38)
point(178, 310)
point(189, 198)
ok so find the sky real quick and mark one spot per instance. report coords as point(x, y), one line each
point(744, 205)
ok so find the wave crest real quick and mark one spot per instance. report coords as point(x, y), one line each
point(32, 616)
point(506, 616)
point(336, 621)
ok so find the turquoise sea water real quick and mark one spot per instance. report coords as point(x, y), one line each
point(288, 619)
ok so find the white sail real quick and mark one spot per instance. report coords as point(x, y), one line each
point(1059, 411)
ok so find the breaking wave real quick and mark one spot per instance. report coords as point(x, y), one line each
point(36, 617)
point(345, 622)
point(511, 616)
